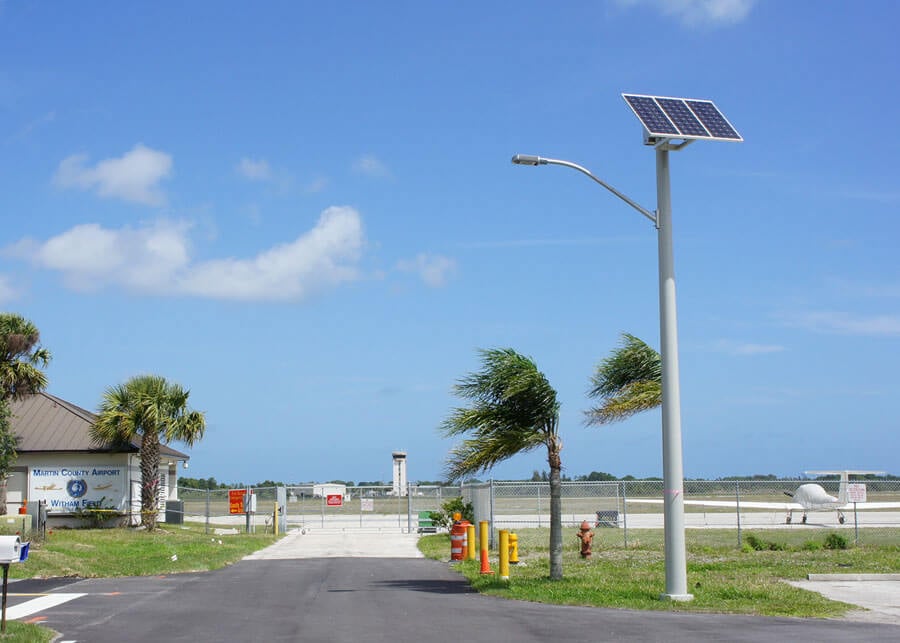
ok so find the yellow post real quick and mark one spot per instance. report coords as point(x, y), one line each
point(470, 542)
point(513, 549)
point(483, 543)
point(504, 554)
point(276, 518)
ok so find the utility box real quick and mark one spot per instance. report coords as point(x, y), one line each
point(175, 512)
point(12, 550)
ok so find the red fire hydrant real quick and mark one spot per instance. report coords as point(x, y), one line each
point(586, 536)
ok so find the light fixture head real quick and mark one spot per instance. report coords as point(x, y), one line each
point(527, 159)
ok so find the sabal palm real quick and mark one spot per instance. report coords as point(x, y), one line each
point(154, 410)
point(21, 360)
point(513, 409)
point(627, 382)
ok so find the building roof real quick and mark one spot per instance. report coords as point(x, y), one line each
point(46, 423)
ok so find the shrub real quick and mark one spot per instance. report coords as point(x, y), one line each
point(835, 541)
point(444, 518)
point(811, 545)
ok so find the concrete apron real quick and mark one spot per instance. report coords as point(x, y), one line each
point(878, 594)
point(340, 544)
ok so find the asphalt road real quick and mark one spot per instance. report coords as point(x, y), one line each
point(349, 600)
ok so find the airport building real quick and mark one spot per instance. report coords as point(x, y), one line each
point(59, 463)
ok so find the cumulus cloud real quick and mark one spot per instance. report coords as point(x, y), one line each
point(699, 12)
point(845, 323)
point(433, 270)
point(371, 166)
point(156, 258)
point(254, 170)
point(134, 177)
point(91, 257)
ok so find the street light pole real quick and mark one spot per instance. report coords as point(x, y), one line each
point(673, 473)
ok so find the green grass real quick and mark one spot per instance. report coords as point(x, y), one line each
point(90, 553)
point(26, 633)
point(721, 577)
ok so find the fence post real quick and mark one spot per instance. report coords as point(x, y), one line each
point(491, 535)
point(207, 510)
point(737, 494)
point(409, 507)
point(539, 503)
point(624, 516)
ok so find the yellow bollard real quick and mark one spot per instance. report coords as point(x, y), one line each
point(483, 543)
point(470, 542)
point(513, 549)
point(504, 554)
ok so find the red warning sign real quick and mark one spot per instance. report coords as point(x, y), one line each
point(334, 500)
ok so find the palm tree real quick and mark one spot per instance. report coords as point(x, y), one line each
point(21, 360)
point(513, 409)
point(627, 382)
point(154, 410)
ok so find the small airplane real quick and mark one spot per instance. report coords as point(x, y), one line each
point(49, 487)
point(101, 487)
point(807, 497)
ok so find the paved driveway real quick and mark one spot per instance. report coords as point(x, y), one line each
point(308, 596)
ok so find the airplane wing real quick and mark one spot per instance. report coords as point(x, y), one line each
point(783, 506)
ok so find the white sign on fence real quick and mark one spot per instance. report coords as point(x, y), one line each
point(366, 504)
point(856, 492)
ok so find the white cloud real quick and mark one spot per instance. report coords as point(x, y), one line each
point(91, 257)
point(746, 348)
point(7, 292)
point(316, 185)
point(132, 177)
point(371, 166)
point(434, 270)
point(254, 170)
point(324, 257)
point(845, 323)
point(699, 12)
point(156, 259)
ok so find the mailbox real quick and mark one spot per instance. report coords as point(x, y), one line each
point(12, 550)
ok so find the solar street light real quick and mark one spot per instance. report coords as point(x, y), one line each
point(670, 124)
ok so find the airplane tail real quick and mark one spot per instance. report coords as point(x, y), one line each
point(789, 494)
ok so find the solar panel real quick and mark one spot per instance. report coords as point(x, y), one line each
point(683, 118)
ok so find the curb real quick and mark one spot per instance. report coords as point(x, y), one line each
point(855, 577)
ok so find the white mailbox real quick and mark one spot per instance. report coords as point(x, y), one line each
point(12, 550)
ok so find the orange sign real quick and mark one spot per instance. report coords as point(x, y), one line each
point(334, 500)
point(236, 501)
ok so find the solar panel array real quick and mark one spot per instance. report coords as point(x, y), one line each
point(681, 118)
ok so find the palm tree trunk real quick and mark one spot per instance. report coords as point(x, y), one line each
point(556, 541)
point(149, 479)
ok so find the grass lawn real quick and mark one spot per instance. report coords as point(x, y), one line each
point(721, 577)
point(89, 553)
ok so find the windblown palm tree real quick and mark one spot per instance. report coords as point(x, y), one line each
point(21, 360)
point(154, 410)
point(627, 382)
point(513, 409)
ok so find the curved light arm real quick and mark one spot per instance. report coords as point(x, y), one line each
point(526, 159)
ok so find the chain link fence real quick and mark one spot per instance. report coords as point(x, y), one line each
point(634, 507)
point(374, 508)
point(739, 506)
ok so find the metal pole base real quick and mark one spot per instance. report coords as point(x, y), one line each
point(678, 598)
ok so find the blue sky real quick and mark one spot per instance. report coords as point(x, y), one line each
point(305, 213)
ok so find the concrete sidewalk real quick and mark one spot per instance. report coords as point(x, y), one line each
point(879, 594)
point(340, 544)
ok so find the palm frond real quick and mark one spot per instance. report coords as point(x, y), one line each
point(627, 382)
point(513, 409)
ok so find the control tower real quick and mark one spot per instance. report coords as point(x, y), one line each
point(399, 468)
